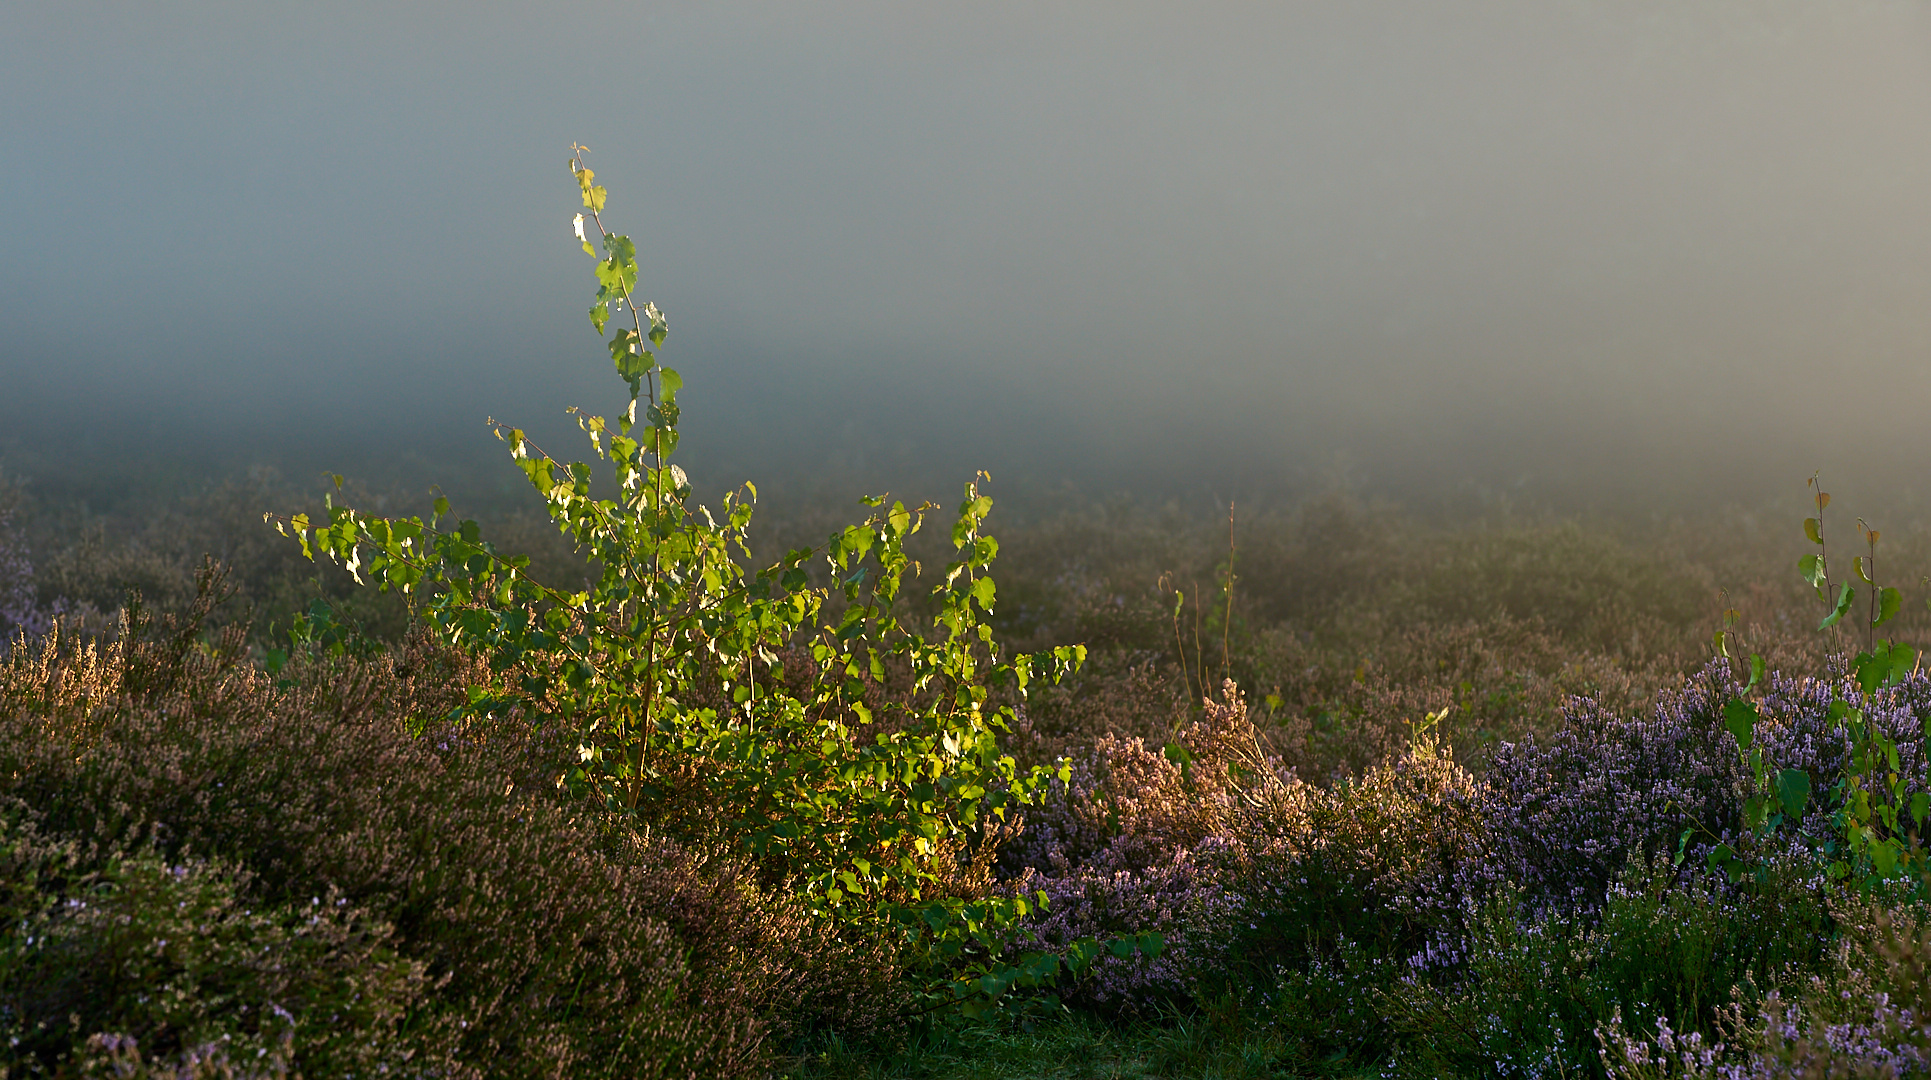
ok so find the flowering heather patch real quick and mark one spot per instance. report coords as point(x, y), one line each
point(1869, 1015)
point(1135, 840)
point(1497, 893)
point(548, 943)
point(1567, 812)
point(1800, 733)
point(1434, 889)
point(1182, 898)
point(1237, 862)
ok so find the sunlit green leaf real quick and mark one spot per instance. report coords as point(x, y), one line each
point(1846, 594)
point(983, 590)
point(1812, 568)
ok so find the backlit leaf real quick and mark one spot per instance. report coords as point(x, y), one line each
point(1888, 601)
point(1846, 594)
point(1811, 567)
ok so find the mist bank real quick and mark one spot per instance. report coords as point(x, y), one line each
point(1605, 258)
point(920, 438)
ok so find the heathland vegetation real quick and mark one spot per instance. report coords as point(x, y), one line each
point(623, 784)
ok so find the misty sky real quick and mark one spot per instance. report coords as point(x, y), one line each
point(1243, 246)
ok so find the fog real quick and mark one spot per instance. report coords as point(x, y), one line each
point(1598, 254)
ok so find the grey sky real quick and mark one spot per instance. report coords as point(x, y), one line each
point(1620, 243)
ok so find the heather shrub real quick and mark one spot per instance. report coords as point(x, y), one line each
point(19, 610)
point(1134, 804)
point(1181, 899)
point(1371, 861)
point(1131, 840)
point(1346, 888)
point(125, 952)
point(1348, 621)
point(1329, 1008)
point(1585, 587)
point(1663, 951)
point(1337, 708)
point(1455, 917)
point(87, 559)
point(544, 939)
point(1868, 1014)
point(1570, 810)
point(1249, 874)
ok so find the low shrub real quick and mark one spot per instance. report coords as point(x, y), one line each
point(1448, 918)
point(1868, 1014)
point(525, 936)
point(1568, 812)
point(18, 610)
point(1665, 950)
point(126, 954)
point(1135, 839)
point(1247, 872)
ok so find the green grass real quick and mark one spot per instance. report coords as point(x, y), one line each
point(1077, 1046)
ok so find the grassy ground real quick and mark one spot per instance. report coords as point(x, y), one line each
point(1071, 1047)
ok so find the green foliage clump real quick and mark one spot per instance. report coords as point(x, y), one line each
point(822, 732)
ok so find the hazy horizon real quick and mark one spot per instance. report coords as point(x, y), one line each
point(1594, 253)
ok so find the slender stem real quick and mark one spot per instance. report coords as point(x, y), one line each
point(1227, 621)
point(1870, 629)
point(1823, 549)
point(1199, 654)
point(1179, 644)
point(657, 543)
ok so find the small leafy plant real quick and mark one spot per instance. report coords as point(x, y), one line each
point(1875, 820)
point(847, 746)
